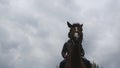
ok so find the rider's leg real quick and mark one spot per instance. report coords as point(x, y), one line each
point(87, 62)
point(62, 64)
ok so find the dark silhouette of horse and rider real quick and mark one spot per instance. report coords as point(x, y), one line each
point(73, 52)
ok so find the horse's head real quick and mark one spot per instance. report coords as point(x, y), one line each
point(75, 32)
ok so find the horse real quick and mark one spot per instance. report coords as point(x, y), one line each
point(74, 59)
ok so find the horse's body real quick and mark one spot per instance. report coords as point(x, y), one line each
point(74, 59)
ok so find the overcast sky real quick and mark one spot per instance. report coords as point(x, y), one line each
point(32, 32)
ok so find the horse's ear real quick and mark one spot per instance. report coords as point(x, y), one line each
point(69, 25)
point(81, 25)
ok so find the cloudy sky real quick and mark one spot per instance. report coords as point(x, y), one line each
point(32, 32)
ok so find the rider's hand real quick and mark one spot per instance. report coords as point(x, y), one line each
point(66, 57)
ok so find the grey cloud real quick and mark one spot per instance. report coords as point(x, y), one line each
point(32, 36)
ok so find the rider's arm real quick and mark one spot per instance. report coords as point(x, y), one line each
point(64, 50)
point(82, 51)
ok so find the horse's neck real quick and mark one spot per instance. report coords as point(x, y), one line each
point(75, 56)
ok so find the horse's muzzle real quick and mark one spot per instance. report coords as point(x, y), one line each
point(76, 35)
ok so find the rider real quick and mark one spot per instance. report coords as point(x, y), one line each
point(65, 54)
